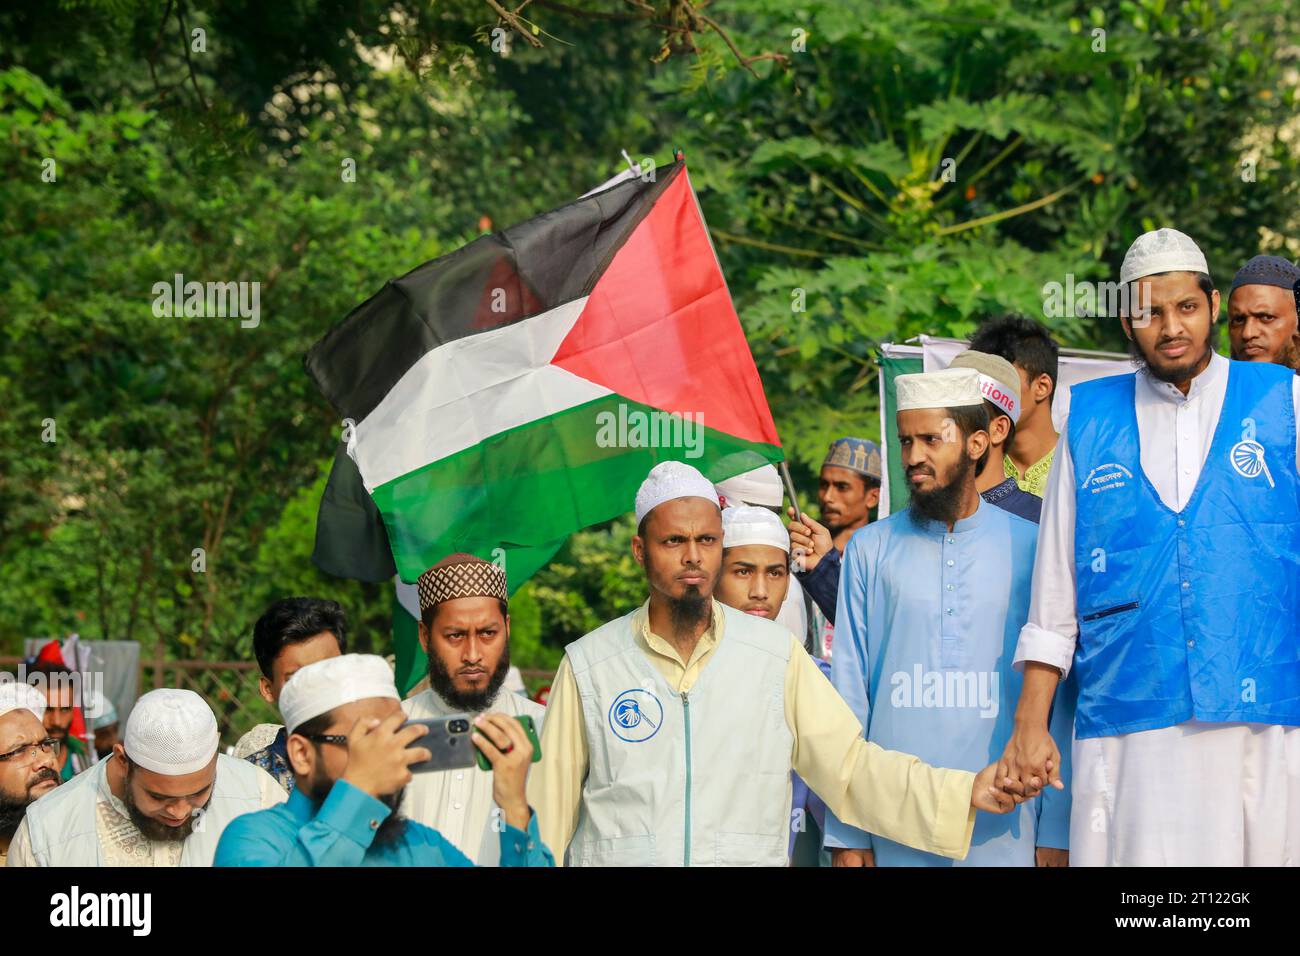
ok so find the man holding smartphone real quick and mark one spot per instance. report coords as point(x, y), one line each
point(465, 630)
point(351, 758)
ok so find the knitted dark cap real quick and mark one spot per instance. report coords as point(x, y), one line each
point(1266, 270)
point(458, 576)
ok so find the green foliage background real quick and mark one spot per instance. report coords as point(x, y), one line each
point(819, 167)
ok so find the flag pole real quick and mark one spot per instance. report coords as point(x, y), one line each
point(789, 489)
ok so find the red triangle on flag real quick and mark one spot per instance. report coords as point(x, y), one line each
point(659, 327)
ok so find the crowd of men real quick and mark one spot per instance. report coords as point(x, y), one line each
point(1071, 649)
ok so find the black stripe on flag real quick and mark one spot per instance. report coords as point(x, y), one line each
point(496, 280)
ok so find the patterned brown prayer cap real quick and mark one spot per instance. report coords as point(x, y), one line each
point(458, 576)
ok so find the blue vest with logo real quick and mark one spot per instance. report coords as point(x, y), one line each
point(1192, 614)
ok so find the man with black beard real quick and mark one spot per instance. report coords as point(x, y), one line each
point(161, 799)
point(931, 601)
point(351, 758)
point(29, 766)
point(1168, 578)
point(672, 731)
point(465, 632)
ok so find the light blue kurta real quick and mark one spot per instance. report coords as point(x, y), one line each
point(925, 635)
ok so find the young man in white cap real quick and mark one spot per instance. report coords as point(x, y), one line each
point(161, 799)
point(351, 760)
point(1262, 312)
point(671, 731)
point(465, 633)
point(762, 488)
point(1168, 578)
point(931, 601)
point(847, 489)
point(29, 765)
point(1000, 386)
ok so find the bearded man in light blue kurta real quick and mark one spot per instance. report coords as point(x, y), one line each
point(931, 603)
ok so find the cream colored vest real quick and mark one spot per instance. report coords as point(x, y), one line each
point(696, 779)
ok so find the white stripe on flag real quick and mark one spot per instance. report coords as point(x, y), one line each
point(468, 390)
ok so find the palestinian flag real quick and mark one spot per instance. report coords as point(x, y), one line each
point(520, 388)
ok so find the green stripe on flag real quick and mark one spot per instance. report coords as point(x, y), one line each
point(526, 489)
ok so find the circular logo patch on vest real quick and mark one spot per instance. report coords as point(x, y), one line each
point(1247, 459)
point(636, 715)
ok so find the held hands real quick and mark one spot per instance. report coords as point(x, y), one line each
point(842, 856)
point(378, 759)
point(1030, 762)
point(506, 745)
point(987, 797)
point(810, 538)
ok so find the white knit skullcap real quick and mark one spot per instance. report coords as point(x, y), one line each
point(15, 695)
point(946, 388)
point(1164, 250)
point(668, 481)
point(320, 687)
point(762, 486)
point(746, 525)
point(172, 732)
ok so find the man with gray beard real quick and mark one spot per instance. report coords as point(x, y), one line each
point(29, 766)
point(931, 601)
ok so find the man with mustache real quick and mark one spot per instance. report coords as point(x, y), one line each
point(28, 761)
point(671, 731)
point(1168, 578)
point(61, 690)
point(1262, 312)
point(931, 602)
point(465, 631)
point(351, 758)
point(161, 799)
point(847, 489)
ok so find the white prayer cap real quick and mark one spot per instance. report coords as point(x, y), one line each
point(99, 710)
point(946, 388)
point(999, 380)
point(746, 525)
point(320, 687)
point(15, 695)
point(1163, 250)
point(172, 732)
point(762, 486)
point(668, 481)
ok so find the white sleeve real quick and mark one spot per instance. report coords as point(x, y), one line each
point(20, 848)
point(1050, 633)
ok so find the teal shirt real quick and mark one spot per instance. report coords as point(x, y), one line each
point(340, 831)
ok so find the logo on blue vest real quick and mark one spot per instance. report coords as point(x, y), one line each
point(636, 715)
point(1107, 477)
point(1247, 459)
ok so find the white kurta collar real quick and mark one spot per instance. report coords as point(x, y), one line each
point(1166, 392)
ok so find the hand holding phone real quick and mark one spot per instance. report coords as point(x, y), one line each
point(509, 750)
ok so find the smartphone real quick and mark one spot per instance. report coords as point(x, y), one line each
point(530, 729)
point(447, 740)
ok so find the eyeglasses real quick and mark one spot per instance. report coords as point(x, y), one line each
point(340, 739)
point(27, 752)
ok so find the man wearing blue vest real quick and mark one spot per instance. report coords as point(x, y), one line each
point(1168, 576)
point(671, 731)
